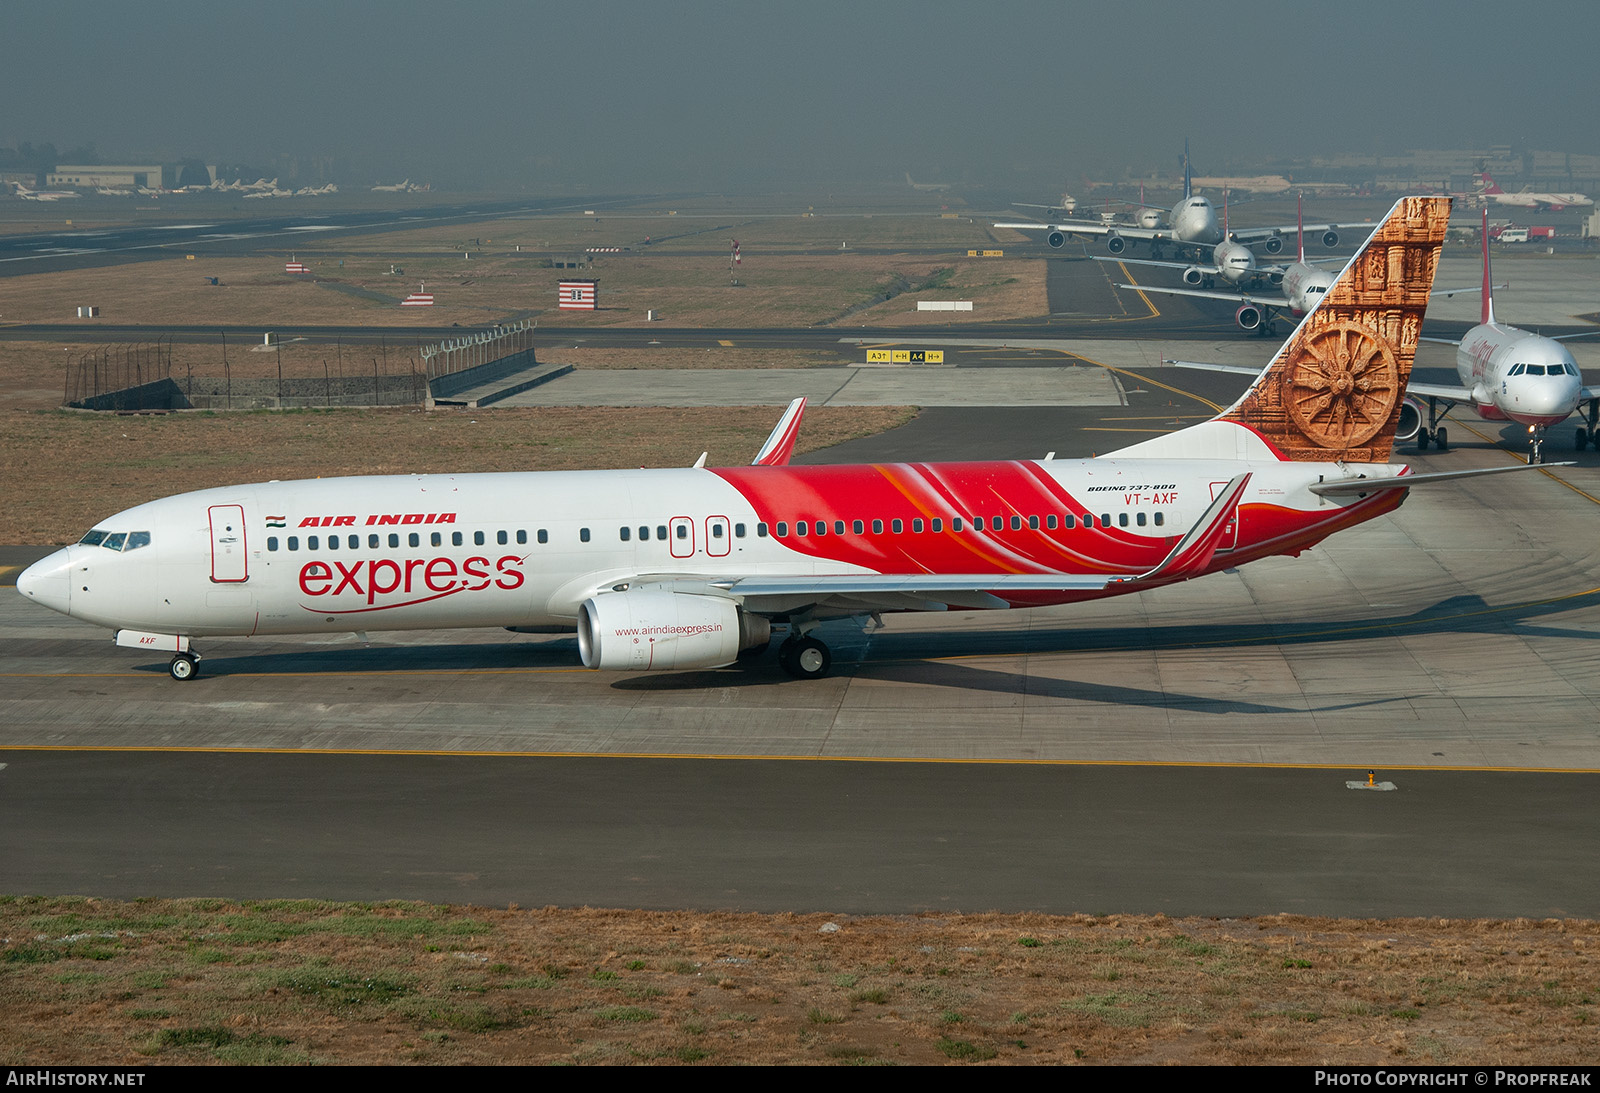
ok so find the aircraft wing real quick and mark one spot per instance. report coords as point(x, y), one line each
point(1209, 269)
point(1090, 227)
point(1277, 302)
point(1287, 231)
point(1426, 390)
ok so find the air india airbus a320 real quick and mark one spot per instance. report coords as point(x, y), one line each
point(689, 568)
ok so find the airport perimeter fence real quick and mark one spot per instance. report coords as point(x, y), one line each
point(228, 375)
point(479, 348)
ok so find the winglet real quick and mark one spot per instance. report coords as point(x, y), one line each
point(780, 445)
point(1196, 549)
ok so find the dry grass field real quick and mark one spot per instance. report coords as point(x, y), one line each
point(66, 469)
point(293, 982)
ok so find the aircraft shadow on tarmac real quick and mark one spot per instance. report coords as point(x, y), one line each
point(919, 657)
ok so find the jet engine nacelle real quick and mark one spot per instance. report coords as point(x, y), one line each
point(1330, 238)
point(1276, 277)
point(1056, 240)
point(1248, 317)
point(1193, 276)
point(1115, 243)
point(1410, 422)
point(1273, 244)
point(644, 629)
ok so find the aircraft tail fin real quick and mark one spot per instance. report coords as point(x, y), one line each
point(1486, 314)
point(1188, 176)
point(1334, 391)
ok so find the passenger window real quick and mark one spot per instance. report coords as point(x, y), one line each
point(644, 533)
point(877, 527)
point(683, 531)
point(938, 525)
point(294, 542)
point(955, 523)
point(1105, 519)
point(897, 526)
point(500, 538)
point(394, 541)
point(437, 539)
point(916, 527)
point(1050, 522)
point(1033, 523)
point(1068, 520)
point(414, 539)
point(311, 542)
point(477, 538)
point(455, 538)
point(583, 535)
point(1016, 523)
point(782, 529)
point(544, 535)
point(799, 527)
point(761, 529)
point(716, 531)
point(272, 542)
point(372, 542)
point(838, 527)
point(333, 542)
point(738, 531)
point(661, 531)
point(522, 537)
point(1139, 519)
point(822, 527)
point(1160, 519)
point(625, 533)
point(1122, 519)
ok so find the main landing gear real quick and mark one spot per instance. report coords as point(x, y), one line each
point(1589, 434)
point(804, 657)
point(1433, 432)
point(184, 666)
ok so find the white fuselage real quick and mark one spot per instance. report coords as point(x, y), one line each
point(1194, 222)
point(1304, 286)
point(1517, 376)
point(527, 549)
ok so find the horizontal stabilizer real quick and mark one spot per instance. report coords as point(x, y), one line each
point(1406, 481)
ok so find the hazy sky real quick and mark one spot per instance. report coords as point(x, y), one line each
point(706, 96)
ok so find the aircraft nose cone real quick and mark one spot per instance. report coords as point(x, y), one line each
point(49, 582)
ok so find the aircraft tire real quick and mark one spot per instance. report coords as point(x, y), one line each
point(183, 668)
point(806, 658)
point(1441, 440)
point(1422, 440)
point(1581, 441)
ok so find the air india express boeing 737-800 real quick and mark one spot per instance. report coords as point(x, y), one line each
point(689, 568)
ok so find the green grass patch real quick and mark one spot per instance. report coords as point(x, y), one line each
point(965, 1051)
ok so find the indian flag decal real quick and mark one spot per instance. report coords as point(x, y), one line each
point(277, 521)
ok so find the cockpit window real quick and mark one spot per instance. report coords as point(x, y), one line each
point(93, 538)
point(136, 539)
point(1517, 369)
point(114, 540)
point(1572, 370)
point(1535, 369)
